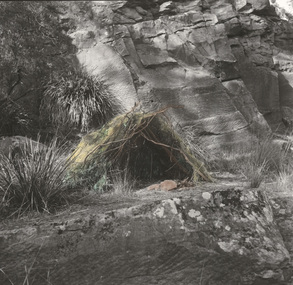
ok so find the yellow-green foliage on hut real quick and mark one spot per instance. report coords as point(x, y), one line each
point(144, 144)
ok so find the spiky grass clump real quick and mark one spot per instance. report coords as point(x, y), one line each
point(284, 182)
point(260, 160)
point(78, 99)
point(266, 159)
point(34, 178)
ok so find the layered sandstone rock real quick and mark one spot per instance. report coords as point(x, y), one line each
point(226, 64)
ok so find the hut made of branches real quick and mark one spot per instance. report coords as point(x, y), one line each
point(143, 144)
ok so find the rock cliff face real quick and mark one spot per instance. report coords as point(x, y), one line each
point(227, 63)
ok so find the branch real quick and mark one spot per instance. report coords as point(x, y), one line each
point(16, 82)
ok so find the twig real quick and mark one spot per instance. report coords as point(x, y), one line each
point(1, 270)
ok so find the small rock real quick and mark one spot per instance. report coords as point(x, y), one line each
point(193, 213)
point(167, 6)
point(282, 212)
point(206, 195)
point(141, 10)
point(200, 218)
point(159, 212)
point(218, 224)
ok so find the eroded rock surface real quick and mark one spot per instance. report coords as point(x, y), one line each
point(188, 53)
point(220, 237)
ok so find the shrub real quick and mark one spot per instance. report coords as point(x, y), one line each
point(79, 100)
point(34, 178)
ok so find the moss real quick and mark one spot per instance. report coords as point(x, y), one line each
point(145, 144)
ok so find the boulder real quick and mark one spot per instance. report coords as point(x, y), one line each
point(218, 237)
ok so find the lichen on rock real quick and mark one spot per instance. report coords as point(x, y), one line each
point(180, 235)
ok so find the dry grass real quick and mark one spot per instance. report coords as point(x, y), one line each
point(255, 173)
point(77, 99)
point(34, 178)
point(122, 183)
point(284, 182)
point(261, 160)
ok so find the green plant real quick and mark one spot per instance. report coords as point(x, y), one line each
point(77, 99)
point(33, 178)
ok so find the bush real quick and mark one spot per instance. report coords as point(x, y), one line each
point(77, 100)
point(34, 178)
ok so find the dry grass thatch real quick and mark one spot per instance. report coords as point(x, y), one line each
point(145, 144)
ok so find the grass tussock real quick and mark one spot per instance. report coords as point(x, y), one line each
point(122, 182)
point(34, 178)
point(259, 161)
point(284, 182)
point(79, 100)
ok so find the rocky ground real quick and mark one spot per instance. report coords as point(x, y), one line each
point(212, 233)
